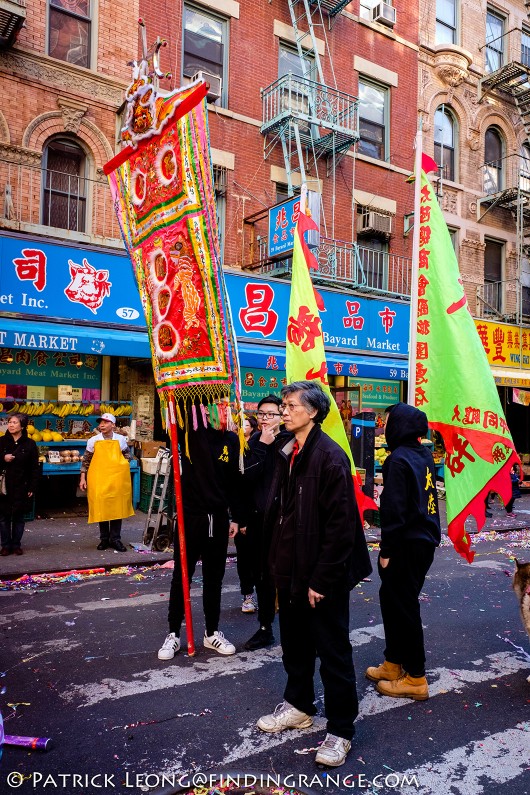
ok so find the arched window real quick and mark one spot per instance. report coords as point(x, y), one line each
point(445, 136)
point(64, 185)
point(493, 167)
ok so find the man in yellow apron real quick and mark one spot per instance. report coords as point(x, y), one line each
point(105, 471)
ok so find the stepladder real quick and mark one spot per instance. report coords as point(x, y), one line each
point(160, 521)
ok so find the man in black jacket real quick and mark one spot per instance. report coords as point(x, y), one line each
point(211, 484)
point(318, 554)
point(410, 532)
point(260, 461)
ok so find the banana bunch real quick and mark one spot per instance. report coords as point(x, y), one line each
point(122, 411)
point(15, 408)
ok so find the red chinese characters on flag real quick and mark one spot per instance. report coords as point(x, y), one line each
point(32, 267)
point(258, 314)
point(304, 330)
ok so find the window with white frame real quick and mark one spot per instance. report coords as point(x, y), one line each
point(69, 29)
point(220, 177)
point(494, 52)
point(525, 46)
point(373, 119)
point(205, 46)
point(493, 166)
point(493, 263)
point(445, 136)
point(446, 31)
point(290, 61)
point(373, 254)
point(64, 185)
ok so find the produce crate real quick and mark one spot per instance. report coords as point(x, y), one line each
point(146, 488)
point(30, 515)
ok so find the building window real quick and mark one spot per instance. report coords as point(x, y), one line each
point(493, 152)
point(290, 61)
point(205, 46)
point(453, 234)
point(69, 31)
point(373, 254)
point(495, 41)
point(446, 22)
point(373, 119)
point(524, 168)
point(64, 186)
point(493, 261)
point(444, 142)
point(525, 47)
point(220, 175)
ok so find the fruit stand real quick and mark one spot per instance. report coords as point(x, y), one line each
point(61, 431)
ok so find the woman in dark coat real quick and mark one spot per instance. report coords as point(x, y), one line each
point(19, 459)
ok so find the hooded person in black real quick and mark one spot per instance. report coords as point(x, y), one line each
point(210, 494)
point(410, 532)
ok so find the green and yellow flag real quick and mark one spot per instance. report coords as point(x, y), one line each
point(453, 381)
point(305, 355)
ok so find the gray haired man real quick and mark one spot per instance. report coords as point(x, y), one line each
point(318, 554)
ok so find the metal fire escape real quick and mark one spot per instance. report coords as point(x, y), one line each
point(507, 181)
point(309, 119)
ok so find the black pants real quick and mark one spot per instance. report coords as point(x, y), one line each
point(110, 531)
point(323, 631)
point(11, 529)
point(206, 538)
point(265, 588)
point(244, 564)
point(401, 584)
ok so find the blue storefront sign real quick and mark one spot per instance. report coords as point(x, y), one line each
point(91, 295)
point(58, 281)
point(260, 310)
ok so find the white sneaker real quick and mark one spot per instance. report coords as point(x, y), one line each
point(248, 605)
point(285, 716)
point(169, 648)
point(333, 751)
point(218, 643)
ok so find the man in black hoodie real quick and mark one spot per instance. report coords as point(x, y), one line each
point(211, 484)
point(410, 532)
point(260, 462)
point(318, 554)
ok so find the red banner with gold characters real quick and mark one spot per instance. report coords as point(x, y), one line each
point(163, 194)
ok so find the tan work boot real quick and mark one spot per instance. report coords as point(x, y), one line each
point(387, 670)
point(406, 686)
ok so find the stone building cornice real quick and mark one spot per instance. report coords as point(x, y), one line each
point(19, 155)
point(64, 77)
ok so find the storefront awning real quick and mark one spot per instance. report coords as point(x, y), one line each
point(508, 377)
point(64, 338)
point(338, 363)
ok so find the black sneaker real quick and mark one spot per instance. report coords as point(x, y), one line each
point(103, 545)
point(262, 638)
point(118, 546)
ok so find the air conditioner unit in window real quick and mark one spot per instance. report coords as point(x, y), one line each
point(385, 14)
point(373, 222)
point(214, 82)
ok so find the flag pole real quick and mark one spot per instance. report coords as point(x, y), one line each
point(180, 526)
point(415, 268)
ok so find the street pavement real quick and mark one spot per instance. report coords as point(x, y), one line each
point(64, 540)
point(80, 661)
